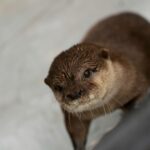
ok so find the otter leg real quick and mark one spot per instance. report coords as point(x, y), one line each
point(77, 129)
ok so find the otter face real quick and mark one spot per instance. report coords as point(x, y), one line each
point(81, 77)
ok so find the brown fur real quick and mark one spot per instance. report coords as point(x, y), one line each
point(117, 50)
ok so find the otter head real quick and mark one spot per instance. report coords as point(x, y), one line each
point(82, 77)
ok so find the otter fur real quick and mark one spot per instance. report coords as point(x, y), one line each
point(107, 70)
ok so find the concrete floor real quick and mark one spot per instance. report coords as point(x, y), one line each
point(32, 33)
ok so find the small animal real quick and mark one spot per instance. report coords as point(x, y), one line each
point(107, 70)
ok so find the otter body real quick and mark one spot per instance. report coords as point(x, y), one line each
point(126, 34)
point(109, 69)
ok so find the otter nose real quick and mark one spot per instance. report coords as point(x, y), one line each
point(75, 95)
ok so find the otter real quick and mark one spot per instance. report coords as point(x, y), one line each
point(109, 69)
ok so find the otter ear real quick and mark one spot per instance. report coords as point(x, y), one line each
point(46, 81)
point(104, 54)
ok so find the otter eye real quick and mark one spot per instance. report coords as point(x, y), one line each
point(58, 88)
point(88, 73)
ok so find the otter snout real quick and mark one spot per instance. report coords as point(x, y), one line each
point(74, 95)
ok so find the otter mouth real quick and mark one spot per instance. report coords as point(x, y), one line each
point(86, 104)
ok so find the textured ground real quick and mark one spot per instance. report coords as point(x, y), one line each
point(32, 33)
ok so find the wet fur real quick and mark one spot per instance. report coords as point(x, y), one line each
point(126, 38)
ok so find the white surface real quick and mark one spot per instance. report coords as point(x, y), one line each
point(32, 33)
